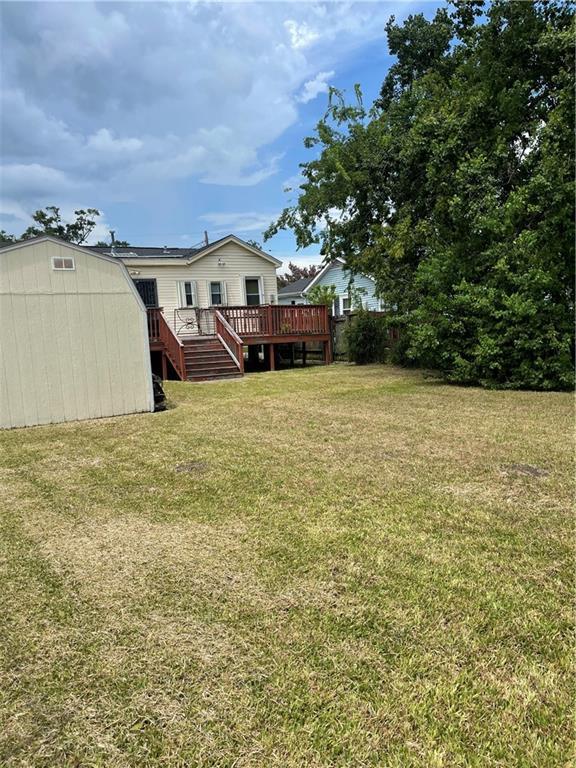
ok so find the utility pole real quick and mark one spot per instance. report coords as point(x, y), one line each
point(112, 236)
point(205, 237)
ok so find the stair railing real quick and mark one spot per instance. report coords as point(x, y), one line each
point(160, 331)
point(230, 339)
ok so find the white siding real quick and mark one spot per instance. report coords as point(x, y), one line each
point(73, 345)
point(238, 263)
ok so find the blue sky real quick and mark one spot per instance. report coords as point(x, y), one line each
point(175, 118)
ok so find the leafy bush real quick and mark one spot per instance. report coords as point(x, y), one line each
point(366, 338)
point(322, 294)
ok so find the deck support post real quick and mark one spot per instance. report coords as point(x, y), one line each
point(292, 355)
point(272, 361)
point(304, 353)
point(253, 357)
point(164, 367)
point(326, 352)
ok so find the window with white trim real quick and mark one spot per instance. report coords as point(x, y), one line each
point(217, 290)
point(65, 263)
point(187, 293)
point(342, 305)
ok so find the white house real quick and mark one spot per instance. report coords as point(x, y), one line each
point(334, 273)
point(228, 271)
point(73, 336)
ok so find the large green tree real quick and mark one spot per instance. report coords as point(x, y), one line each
point(48, 221)
point(455, 191)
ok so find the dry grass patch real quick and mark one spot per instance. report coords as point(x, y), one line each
point(329, 567)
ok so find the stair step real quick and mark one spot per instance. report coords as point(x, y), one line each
point(200, 342)
point(198, 348)
point(216, 354)
point(193, 363)
point(213, 367)
point(216, 377)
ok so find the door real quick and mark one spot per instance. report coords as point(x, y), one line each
point(253, 297)
point(148, 292)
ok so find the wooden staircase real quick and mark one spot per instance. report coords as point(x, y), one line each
point(207, 358)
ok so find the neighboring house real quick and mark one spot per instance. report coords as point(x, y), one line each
point(227, 272)
point(334, 273)
point(73, 336)
point(293, 293)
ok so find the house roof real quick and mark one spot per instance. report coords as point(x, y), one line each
point(188, 254)
point(295, 288)
point(147, 252)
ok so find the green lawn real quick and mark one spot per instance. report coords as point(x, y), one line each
point(325, 567)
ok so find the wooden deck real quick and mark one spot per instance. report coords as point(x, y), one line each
point(237, 327)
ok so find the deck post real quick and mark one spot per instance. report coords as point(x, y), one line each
point(304, 353)
point(269, 320)
point(164, 367)
point(326, 352)
point(292, 355)
point(272, 361)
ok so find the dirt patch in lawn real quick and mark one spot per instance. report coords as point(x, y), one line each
point(129, 558)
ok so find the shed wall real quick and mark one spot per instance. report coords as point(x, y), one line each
point(73, 345)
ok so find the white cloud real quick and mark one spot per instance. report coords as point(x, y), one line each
point(316, 86)
point(299, 260)
point(104, 141)
point(292, 183)
point(13, 217)
point(117, 99)
point(239, 222)
point(301, 35)
point(35, 180)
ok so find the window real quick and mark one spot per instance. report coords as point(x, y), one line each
point(342, 305)
point(187, 293)
point(148, 291)
point(65, 263)
point(252, 285)
point(217, 293)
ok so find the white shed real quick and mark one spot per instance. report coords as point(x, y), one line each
point(73, 336)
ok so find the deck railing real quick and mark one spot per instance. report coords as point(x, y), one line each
point(160, 332)
point(263, 320)
point(229, 339)
point(277, 320)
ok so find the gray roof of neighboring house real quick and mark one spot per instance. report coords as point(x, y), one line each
point(296, 287)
